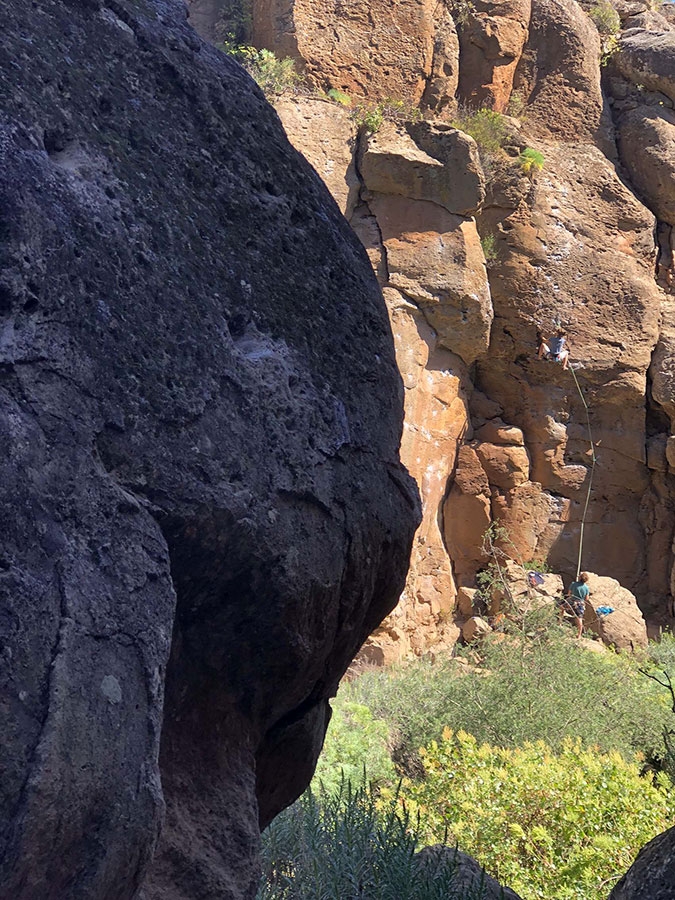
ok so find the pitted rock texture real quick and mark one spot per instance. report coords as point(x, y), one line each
point(652, 875)
point(648, 58)
point(470, 876)
point(646, 141)
point(558, 73)
point(203, 510)
point(491, 44)
point(598, 280)
point(374, 50)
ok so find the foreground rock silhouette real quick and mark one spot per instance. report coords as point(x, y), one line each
point(202, 506)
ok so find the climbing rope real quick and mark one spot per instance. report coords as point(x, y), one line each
point(593, 461)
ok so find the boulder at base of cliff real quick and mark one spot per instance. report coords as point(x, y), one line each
point(475, 628)
point(469, 876)
point(523, 596)
point(624, 628)
point(652, 875)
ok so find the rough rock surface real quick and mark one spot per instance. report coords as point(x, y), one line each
point(558, 73)
point(624, 628)
point(376, 50)
point(648, 58)
point(491, 44)
point(466, 515)
point(652, 875)
point(422, 164)
point(205, 17)
point(327, 134)
point(577, 247)
point(475, 628)
point(514, 593)
point(470, 876)
point(204, 510)
point(572, 243)
point(646, 142)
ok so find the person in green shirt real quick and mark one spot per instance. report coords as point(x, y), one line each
point(577, 593)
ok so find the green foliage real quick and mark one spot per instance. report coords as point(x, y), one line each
point(355, 739)
point(235, 23)
point(339, 97)
point(489, 245)
point(372, 117)
point(461, 11)
point(517, 105)
point(662, 655)
point(660, 668)
point(537, 565)
point(274, 76)
point(542, 688)
point(531, 161)
point(346, 844)
point(486, 127)
point(605, 17)
point(547, 824)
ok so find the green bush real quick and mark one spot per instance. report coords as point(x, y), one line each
point(605, 17)
point(548, 825)
point(461, 11)
point(543, 688)
point(339, 97)
point(355, 739)
point(347, 845)
point(489, 245)
point(517, 105)
point(274, 76)
point(662, 655)
point(486, 127)
point(372, 117)
point(530, 161)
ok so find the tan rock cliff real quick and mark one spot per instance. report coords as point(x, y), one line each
point(492, 433)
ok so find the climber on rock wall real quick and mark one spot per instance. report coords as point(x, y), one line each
point(555, 348)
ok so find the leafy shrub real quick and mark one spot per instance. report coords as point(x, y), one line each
point(486, 127)
point(489, 245)
point(544, 688)
point(516, 106)
point(339, 97)
point(274, 76)
point(605, 17)
point(371, 118)
point(662, 655)
point(461, 11)
point(531, 161)
point(548, 825)
point(344, 845)
point(355, 739)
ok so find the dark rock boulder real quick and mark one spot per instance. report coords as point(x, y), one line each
point(652, 875)
point(469, 878)
point(203, 513)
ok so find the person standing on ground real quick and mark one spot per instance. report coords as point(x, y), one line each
point(577, 593)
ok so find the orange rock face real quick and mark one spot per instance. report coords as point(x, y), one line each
point(574, 244)
point(492, 39)
point(376, 49)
